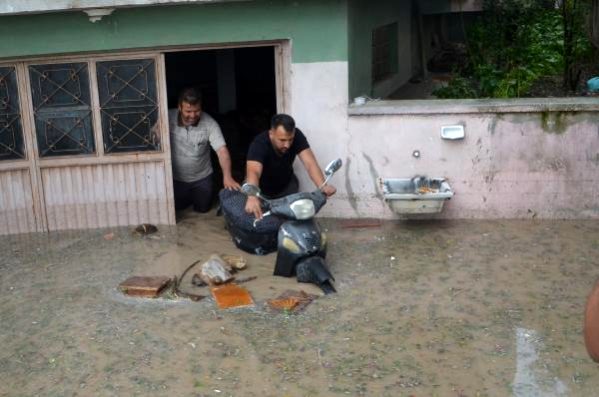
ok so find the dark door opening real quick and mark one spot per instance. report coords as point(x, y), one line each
point(238, 89)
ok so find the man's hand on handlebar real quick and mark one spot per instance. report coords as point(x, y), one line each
point(252, 206)
point(329, 190)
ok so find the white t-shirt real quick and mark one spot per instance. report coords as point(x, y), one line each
point(190, 152)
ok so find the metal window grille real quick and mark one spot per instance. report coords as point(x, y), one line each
point(384, 52)
point(11, 130)
point(128, 105)
point(61, 109)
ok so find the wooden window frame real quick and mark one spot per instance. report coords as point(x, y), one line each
point(282, 50)
point(36, 165)
point(99, 156)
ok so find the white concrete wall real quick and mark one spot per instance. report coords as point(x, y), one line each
point(510, 165)
point(319, 107)
point(506, 167)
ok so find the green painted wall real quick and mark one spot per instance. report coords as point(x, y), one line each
point(363, 17)
point(318, 28)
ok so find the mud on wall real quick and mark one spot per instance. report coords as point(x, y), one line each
point(510, 165)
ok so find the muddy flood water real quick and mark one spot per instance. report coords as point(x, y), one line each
point(441, 308)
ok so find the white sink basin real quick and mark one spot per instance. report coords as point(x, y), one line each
point(417, 195)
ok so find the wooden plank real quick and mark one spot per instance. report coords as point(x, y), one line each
point(95, 109)
point(70, 203)
point(78, 201)
point(10, 205)
point(149, 287)
point(165, 142)
point(13, 223)
point(121, 194)
point(120, 158)
point(90, 203)
point(35, 178)
point(291, 301)
point(46, 186)
point(283, 76)
point(111, 194)
point(136, 53)
point(16, 202)
point(23, 201)
point(162, 195)
point(231, 295)
point(152, 189)
point(14, 165)
point(142, 193)
point(101, 207)
point(131, 194)
point(4, 207)
point(26, 198)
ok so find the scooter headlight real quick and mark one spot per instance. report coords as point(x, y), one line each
point(303, 209)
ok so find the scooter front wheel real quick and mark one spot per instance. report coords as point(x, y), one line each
point(314, 270)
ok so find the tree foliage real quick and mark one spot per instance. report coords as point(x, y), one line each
point(518, 42)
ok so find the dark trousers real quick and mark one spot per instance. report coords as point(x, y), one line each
point(198, 194)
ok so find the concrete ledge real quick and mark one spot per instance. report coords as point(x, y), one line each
point(464, 106)
point(14, 7)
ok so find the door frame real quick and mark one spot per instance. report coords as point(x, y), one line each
point(35, 164)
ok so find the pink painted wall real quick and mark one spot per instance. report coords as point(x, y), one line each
point(520, 157)
point(510, 165)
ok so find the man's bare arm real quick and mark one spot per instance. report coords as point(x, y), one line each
point(314, 172)
point(224, 160)
point(253, 173)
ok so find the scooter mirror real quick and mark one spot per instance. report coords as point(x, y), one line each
point(250, 190)
point(332, 167)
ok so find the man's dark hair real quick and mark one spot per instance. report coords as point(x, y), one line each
point(190, 95)
point(284, 120)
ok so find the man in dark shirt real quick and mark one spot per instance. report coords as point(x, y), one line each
point(270, 162)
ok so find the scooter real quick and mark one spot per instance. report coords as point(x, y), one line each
point(301, 245)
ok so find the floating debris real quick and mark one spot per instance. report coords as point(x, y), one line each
point(197, 281)
point(245, 279)
point(109, 236)
point(291, 301)
point(237, 262)
point(145, 228)
point(231, 295)
point(215, 271)
point(149, 287)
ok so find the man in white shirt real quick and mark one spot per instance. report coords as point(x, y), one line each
point(192, 133)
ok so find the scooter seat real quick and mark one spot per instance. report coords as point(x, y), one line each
point(260, 238)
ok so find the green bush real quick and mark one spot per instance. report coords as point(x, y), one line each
point(513, 45)
point(458, 87)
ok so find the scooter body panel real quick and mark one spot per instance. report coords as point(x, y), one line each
point(298, 240)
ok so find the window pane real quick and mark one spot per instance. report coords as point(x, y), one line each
point(61, 108)
point(11, 131)
point(127, 90)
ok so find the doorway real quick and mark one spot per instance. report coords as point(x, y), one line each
point(239, 91)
